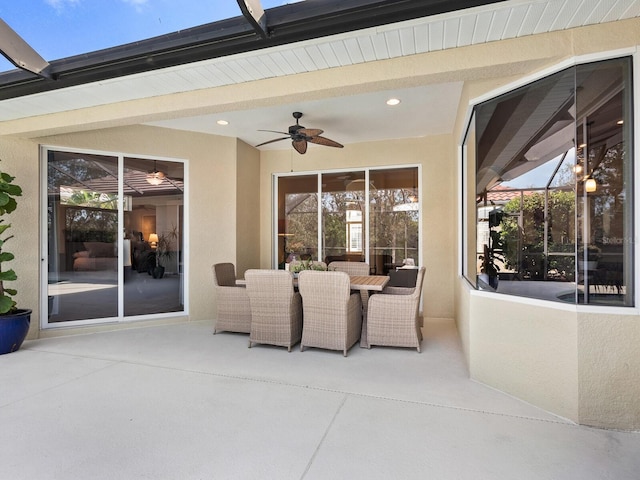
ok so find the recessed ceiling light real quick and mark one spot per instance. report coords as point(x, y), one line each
point(222, 122)
point(393, 101)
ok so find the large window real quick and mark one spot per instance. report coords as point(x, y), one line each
point(115, 237)
point(551, 163)
point(366, 215)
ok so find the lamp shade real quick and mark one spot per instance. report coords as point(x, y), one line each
point(590, 185)
point(153, 238)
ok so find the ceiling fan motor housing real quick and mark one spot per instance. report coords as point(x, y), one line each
point(293, 129)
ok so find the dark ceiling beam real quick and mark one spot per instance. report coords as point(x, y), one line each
point(286, 24)
point(252, 11)
point(20, 53)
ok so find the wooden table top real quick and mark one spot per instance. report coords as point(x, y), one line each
point(368, 282)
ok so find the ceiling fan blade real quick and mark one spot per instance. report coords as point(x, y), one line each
point(324, 141)
point(274, 131)
point(300, 146)
point(271, 141)
point(310, 132)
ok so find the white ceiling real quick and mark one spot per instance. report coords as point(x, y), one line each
point(358, 118)
point(424, 111)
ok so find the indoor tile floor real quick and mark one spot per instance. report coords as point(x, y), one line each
point(176, 402)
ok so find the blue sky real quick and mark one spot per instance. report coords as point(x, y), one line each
point(62, 28)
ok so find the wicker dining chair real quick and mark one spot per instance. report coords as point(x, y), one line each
point(350, 268)
point(393, 320)
point(233, 310)
point(276, 309)
point(332, 315)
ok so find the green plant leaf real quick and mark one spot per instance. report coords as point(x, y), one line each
point(5, 177)
point(9, 275)
point(10, 291)
point(11, 205)
point(6, 304)
point(14, 190)
point(4, 198)
point(6, 256)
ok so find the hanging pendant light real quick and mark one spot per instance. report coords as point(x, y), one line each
point(155, 177)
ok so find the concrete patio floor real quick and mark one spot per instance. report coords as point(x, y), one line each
point(176, 402)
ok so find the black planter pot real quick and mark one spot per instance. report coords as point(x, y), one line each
point(13, 330)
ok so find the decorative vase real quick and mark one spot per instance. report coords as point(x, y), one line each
point(13, 330)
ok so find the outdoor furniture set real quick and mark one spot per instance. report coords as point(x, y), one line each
point(323, 309)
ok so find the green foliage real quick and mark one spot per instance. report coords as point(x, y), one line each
point(307, 265)
point(164, 250)
point(522, 234)
point(8, 190)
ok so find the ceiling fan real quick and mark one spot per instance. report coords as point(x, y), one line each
point(300, 136)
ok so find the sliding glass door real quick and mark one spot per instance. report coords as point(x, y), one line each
point(370, 215)
point(115, 236)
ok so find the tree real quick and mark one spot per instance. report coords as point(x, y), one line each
point(523, 234)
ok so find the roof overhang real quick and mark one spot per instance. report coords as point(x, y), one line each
point(287, 24)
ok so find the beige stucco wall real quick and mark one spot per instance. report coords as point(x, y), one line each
point(526, 350)
point(212, 207)
point(609, 370)
point(438, 182)
point(248, 216)
point(582, 365)
point(20, 159)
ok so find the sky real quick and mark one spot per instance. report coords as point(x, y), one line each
point(62, 28)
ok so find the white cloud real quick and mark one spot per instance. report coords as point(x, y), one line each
point(137, 4)
point(60, 4)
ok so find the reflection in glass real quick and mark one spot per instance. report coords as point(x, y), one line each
point(343, 212)
point(153, 225)
point(394, 218)
point(297, 218)
point(82, 224)
point(386, 235)
point(553, 187)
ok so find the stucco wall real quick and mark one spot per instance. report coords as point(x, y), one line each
point(212, 206)
point(248, 216)
point(435, 154)
point(527, 350)
point(582, 366)
point(609, 370)
point(20, 159)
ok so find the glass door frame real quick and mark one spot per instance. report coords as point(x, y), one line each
point(44, 256)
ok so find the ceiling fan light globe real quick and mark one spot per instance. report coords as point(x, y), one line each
point(155, 178)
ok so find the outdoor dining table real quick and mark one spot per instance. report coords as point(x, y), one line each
point(366, 284)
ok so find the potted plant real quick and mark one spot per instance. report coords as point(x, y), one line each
point(164, 251)
point(493, 251)
point(297, 267)
point(14, 322)
point(593, 257)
